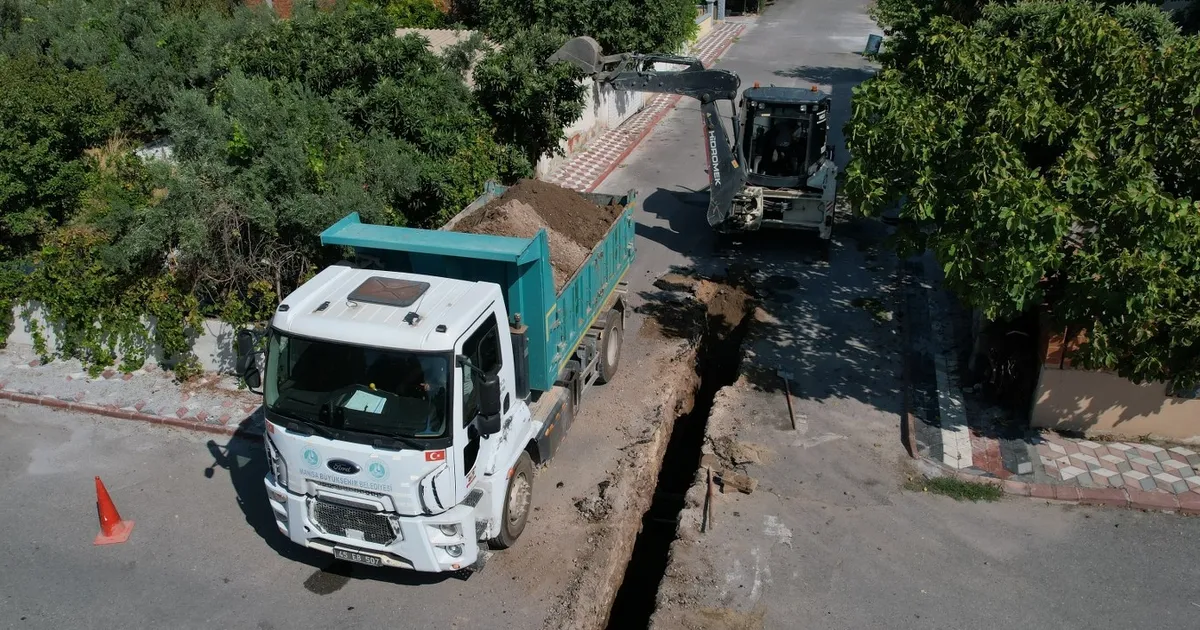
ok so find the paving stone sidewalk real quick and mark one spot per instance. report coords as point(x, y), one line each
point(586, 170)
point(1137, 466)
point(211, 403)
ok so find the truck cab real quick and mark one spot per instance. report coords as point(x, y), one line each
point(393, 394)
point(785, 132)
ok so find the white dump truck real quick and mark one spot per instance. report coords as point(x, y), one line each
point(409, 394)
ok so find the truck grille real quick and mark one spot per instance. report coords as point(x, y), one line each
point(347, 489)
point(337, 519)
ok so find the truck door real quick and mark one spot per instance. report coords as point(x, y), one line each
point(484, 348)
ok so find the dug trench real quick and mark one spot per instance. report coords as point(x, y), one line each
point(716, 318)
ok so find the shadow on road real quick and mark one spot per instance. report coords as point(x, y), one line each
point(684, 212)
point(831, 315)
point(831, 311)
point(246, 462)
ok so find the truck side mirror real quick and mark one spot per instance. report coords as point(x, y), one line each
point(490, 420)
point(247, 366)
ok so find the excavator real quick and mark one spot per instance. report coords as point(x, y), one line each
point(777, 172)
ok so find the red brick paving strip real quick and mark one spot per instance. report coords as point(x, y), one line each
point(1105, 496)
point(1144, 500)
point(194, 424)
point(1066, 493)
point(1189, 502)
point(985, 455)
point(1019, 488)
point(1041, 491)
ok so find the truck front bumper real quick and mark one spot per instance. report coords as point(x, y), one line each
point(405, 542)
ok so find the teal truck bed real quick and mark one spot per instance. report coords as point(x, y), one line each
point(555, 323)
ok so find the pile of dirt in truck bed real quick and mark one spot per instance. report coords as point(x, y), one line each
point(573, 224)
point(519, 219)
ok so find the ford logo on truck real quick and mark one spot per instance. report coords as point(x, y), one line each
point(342, 467)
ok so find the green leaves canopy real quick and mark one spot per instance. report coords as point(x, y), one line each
point(529, 101)
point(48, 116)
point(619, 25)
point(1048, 153)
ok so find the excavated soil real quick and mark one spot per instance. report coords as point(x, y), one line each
point(573, 224)
point(516, 218)
point(719, 311)
point(564, 210)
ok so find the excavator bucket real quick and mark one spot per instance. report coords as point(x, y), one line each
point(582, 52)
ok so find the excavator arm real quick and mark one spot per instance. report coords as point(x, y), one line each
point(637, 73)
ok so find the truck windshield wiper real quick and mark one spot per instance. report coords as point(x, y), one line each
point(394, 443)
point(304, 427)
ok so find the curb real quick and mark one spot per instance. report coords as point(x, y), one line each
point(125, 414)
point(670, 107)
point(1183, 503)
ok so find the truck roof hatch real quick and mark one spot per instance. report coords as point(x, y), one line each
point(389, 291)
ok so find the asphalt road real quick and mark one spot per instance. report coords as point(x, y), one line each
point(203, 553)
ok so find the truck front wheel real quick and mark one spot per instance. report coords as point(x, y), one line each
point(610, 350)
point(517, 501)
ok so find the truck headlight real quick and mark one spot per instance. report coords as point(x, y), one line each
point(449, 530)
point(454, 550)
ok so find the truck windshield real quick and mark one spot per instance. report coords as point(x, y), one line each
point(342, 386)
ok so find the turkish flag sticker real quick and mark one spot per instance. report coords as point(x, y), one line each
point(435, 456)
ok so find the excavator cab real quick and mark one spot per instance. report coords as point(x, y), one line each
point(785, 132)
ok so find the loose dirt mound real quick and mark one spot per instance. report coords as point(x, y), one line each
point(565, 210)
point(573, 223)
point(516, 218)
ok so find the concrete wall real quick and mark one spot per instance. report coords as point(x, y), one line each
point(1102, 403)
point(213, 345)
point(604, 108)
point(1106, 404)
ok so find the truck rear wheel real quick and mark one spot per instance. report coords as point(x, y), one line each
point(610, 350)
point(517, 501)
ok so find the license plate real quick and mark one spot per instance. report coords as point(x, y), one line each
point(354, 556)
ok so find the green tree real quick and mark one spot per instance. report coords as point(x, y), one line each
point(143, 50)
point(393, 86)
point(619, 25)
point(48, 116)
point(529, 101)
point(409, 13)
point(261, 171)
point(1046, 153)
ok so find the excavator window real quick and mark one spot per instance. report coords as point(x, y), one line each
point(783, 140)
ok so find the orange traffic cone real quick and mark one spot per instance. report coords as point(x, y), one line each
point(112, 529)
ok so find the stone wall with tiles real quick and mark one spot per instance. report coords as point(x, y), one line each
point(1102, 403)
point(213, 344)
point(604, 109)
